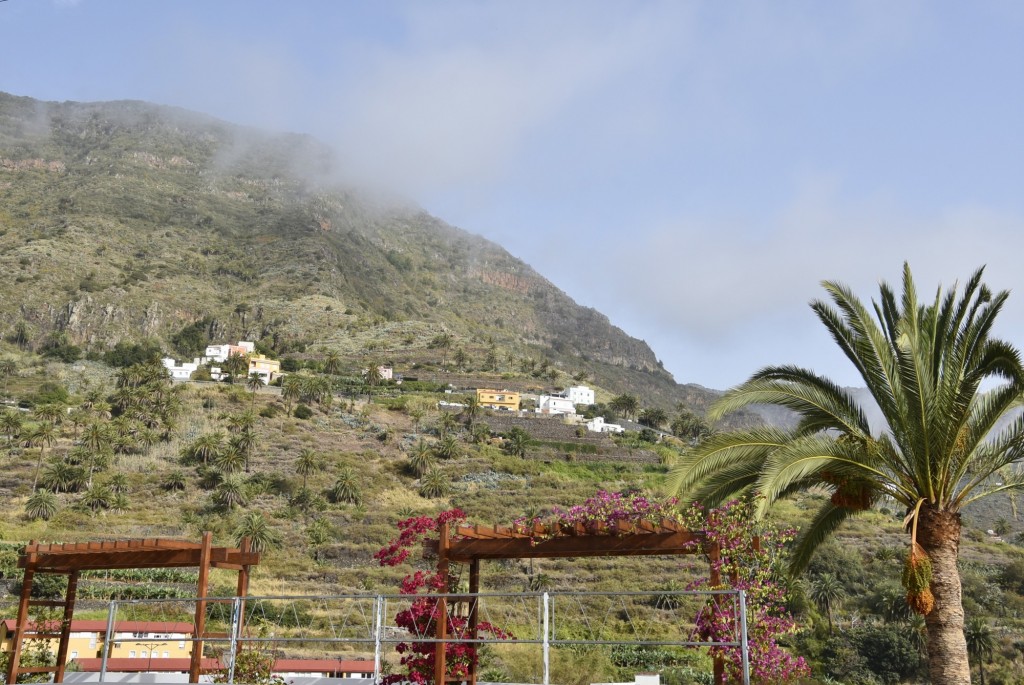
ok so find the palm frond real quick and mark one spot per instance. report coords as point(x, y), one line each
point(825, 522)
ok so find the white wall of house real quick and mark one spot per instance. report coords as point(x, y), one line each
point(553, 404)
point(180, 372)
point(580, 394)
point(597, 425)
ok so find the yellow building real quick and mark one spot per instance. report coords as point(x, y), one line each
point(502, 400)
point(131, 639)
point(268, 369)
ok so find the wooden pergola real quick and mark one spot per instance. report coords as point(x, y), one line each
point(468, 544)
point(71, 559)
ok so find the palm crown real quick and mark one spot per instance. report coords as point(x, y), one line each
point(943, 442)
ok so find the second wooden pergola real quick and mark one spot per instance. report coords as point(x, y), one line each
point(71, 559)
point(469, 544)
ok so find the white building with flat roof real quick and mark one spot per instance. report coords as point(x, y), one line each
point(597, 425)
point(180, 372)
point(580, 394)
point(555, 404)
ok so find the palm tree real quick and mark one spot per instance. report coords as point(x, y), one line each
point(433, 484)
point(827, 591)
point(653, 417)
point(443, 341)
point(980, 642)
point(10, 425)
point(42, 504)
point(50, 413)
point(421, 459)
point(231, 459)
point(230, 492)
point(291, 390)
point(332, 363)
point(262, 537)
point(938, 450)
point(307, 464)
point(446, 423)
point(516, 441)
point(448, 447)
point(460, 358)
point(254, 382)
point(245, 442)
point(42, 437)
point(471, 410)
point(318, 534)
point(416, 416)
point(373, 376)
point(239, 423)
point(626, 405)
point(207, 447)
point(7, 369)
point(346, 487)
point(96, 498)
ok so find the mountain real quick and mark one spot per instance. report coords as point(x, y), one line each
point(124, 220)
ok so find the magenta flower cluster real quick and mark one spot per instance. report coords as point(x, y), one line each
point(608, 508)
point(756, 569)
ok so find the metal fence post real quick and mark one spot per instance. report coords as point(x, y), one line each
point(108, 643)
point(236, 622)
point(744, 647)
point(378, 630)
point(547, 641)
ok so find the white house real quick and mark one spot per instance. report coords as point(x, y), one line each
point(220, 353)
point(180, 372)
point(597, 425)
point(580, 394)
point(555, 404)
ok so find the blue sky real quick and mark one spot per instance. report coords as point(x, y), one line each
point(693, 170)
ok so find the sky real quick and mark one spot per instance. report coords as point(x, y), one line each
point(693, 170)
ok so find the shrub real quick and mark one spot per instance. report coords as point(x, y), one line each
point(302, 412)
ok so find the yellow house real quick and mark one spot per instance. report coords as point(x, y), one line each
point(502, 400)
point(268, 369)
point(131, 639)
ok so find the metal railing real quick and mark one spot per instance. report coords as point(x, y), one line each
point(558, 619)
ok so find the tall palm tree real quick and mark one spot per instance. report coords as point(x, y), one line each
point(332, 363)
point(980, 642)
point(10, 425)
point(827, 591)
point(254, 382)
point(626, 405)
point(421, 458)
point(653, 417)
point(307, 464)
point(7, 369)
point(938, 450)
point(42, 437)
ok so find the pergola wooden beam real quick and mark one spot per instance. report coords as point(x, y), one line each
point(72, 558)
point(469, 544)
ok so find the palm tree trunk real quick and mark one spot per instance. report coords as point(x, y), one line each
point(939, 533)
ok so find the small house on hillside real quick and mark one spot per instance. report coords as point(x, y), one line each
point(597, 425)
point(220, 353)
point(180, 372)
point(555, 405)
point(501, 400)
point(268, 369)
point(579, 394)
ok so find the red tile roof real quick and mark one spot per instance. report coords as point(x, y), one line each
point(129, 665)
point(87, 626)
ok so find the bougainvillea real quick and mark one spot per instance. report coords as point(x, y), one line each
point(607, 508)
point(756, 569)
point(423, 613)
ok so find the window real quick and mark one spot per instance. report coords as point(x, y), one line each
point(74, 654)
point(181, 644)
point(166, 654)
point(144, 654)
point(131, 654)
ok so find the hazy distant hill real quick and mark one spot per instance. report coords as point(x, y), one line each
point(124, 220)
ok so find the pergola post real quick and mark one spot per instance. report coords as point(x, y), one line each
point(474, 616)
point(20, 624)
point(196, 663)
point(441, 608)
point(65, 626)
